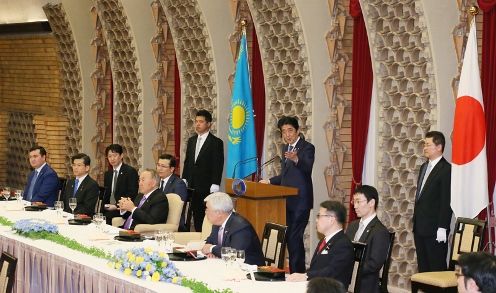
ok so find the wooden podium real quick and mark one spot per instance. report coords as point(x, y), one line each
point(262, 203)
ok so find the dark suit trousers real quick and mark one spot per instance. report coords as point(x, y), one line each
point(296, 221)
point(431, 255)
point(198, 207)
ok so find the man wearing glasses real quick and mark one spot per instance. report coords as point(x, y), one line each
point(369, 229)
point(476, 272)
point(334, 255)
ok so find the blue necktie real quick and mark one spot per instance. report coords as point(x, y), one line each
point(31, 186)
point(76, 185)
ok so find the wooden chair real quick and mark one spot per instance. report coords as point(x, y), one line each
point(467, 237)
point(385, 268)
point(8, 265)
point(360, 250)
point(187, 213)
point(173, 218)
point(274, 244)
point(185, 237)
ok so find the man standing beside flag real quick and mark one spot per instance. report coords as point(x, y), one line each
point(241, 146)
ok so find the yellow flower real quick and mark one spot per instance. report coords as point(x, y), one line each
point(139, 273)
point(148, 250)
point(174, 280)
point(156, 277)
point(118, 265)
point(162, 254)
point(139, 260)
point(164, 264)
point(127, 271)
point(111, 264)
point(148, 267)
point(132, 257)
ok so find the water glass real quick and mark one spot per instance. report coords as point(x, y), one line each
point(59, 207)
point(225, 253)
point(72, 204)
point(240, 256)
point(169, 241)
point(160, 237)
point(6, 192)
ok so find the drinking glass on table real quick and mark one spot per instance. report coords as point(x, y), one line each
point(225, 254)
point(240, 256)
point(169, 241)
point(72, 204)
point(59, 207)
point(18, 195)
point(160, 237)
point(98, 219)
point(6, 193)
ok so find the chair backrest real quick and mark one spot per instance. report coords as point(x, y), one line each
point(274, 244)
point(62, 183)
point(206, 228)
point(360, 250)
point(468, 236)
point(101, 194)
point(8, 265)
point(187, 213)
point(385, 267)
point(175, 209)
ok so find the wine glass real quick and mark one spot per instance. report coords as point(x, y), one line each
point(225, 254)
point(240, 256)
point(18, 195)
point(72, 204)
point(59, 207)
point(6, 193)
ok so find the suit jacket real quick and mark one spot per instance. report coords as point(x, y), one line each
point(87, 195)
point(176, 185)
point(432, 206)
point(239, 234)
point(336, 260)
point(126, 185)
point(153, 211)
point(207, 169)
point(376, 236)
point(46, 187)
point(298, 175)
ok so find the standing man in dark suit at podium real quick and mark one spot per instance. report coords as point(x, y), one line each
point(203, 165)
point(369, 229)
point(121, 181)
point(296, 171)
point(432, 212)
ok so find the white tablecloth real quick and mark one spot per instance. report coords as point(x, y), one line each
point(44, 266)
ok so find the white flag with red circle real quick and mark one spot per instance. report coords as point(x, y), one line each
point(469, 192)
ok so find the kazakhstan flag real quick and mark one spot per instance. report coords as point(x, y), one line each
point(241, 146)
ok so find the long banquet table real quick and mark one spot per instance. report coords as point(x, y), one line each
point(44, 266)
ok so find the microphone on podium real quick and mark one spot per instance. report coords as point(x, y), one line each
point(242, 162)
point(276, 157)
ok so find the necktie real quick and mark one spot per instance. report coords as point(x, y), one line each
point(359, 232)
point(220, 235)
point(31, 186)
point(198, 147)
point(426, 174)
point(322, 245)
point(162, 184)
point(76, 185)
point(129, 220)
point(114, 183)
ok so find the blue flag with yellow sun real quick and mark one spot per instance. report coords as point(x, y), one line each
point(241, 146)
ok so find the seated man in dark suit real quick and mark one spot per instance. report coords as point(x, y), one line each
point(230, 230)
point(476, 272)
point(170, 182)
point(334, 256)
point(150, 207)
point(43, 182)
point(121, 181)
point(369, 229)
point(83, 187)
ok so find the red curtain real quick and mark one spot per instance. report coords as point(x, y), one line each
point(488, 83)
point(258, 92)
point(177, 113)
point(361, 93)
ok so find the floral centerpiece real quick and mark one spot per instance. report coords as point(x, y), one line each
point(30, 226)
point(147, 264)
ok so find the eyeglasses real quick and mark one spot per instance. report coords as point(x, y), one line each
point(323, 215)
